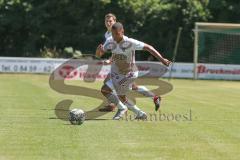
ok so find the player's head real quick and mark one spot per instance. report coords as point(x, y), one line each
point(110, 19)
point(117, 31)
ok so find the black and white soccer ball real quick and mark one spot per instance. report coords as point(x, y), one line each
point(77, 116)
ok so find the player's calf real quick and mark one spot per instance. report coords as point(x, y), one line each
point(147, 93)
point(112, 99)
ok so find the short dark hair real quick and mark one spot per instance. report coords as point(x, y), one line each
point(117, 26)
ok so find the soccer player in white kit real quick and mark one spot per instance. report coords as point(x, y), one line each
point(110, 19)
point(123, 68)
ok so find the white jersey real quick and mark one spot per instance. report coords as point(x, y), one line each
point(123, 53)
point(107, 35)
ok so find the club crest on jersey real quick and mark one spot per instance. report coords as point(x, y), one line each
point(125, 45)
point(110, 46)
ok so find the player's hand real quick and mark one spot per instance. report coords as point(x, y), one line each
point(107, 62)
point(104, 62)
point(166, 62)
point(100, 51)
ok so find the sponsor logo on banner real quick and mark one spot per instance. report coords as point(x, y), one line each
point(218, 71)
point(80, 69)
point(203, 69)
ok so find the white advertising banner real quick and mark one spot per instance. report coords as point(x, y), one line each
point(73, 72)
point(206, 71)
point(181, 70)
point(29, 65)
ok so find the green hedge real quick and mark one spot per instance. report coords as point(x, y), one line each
point(28, 27)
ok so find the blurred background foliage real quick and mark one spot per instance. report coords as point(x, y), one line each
point(33, 28)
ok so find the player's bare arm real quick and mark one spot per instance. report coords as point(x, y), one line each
point(156, 54)
point(99, 51)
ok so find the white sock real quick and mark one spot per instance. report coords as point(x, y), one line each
point(144, 91)
point(112, 98)
point(121, 106)
point(132, 107)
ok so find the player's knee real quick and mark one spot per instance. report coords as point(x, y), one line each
point(122, 98)
point(105, 90)
point(134, 87)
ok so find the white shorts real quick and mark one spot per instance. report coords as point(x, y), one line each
point(121, 84)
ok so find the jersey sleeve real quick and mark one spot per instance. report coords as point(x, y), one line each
point(109, 45)
point(137, 45)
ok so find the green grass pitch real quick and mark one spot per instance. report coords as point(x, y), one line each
point(30, 130)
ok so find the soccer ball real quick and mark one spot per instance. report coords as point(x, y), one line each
point(77, 116)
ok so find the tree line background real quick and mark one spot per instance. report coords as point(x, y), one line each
point(59, 28)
